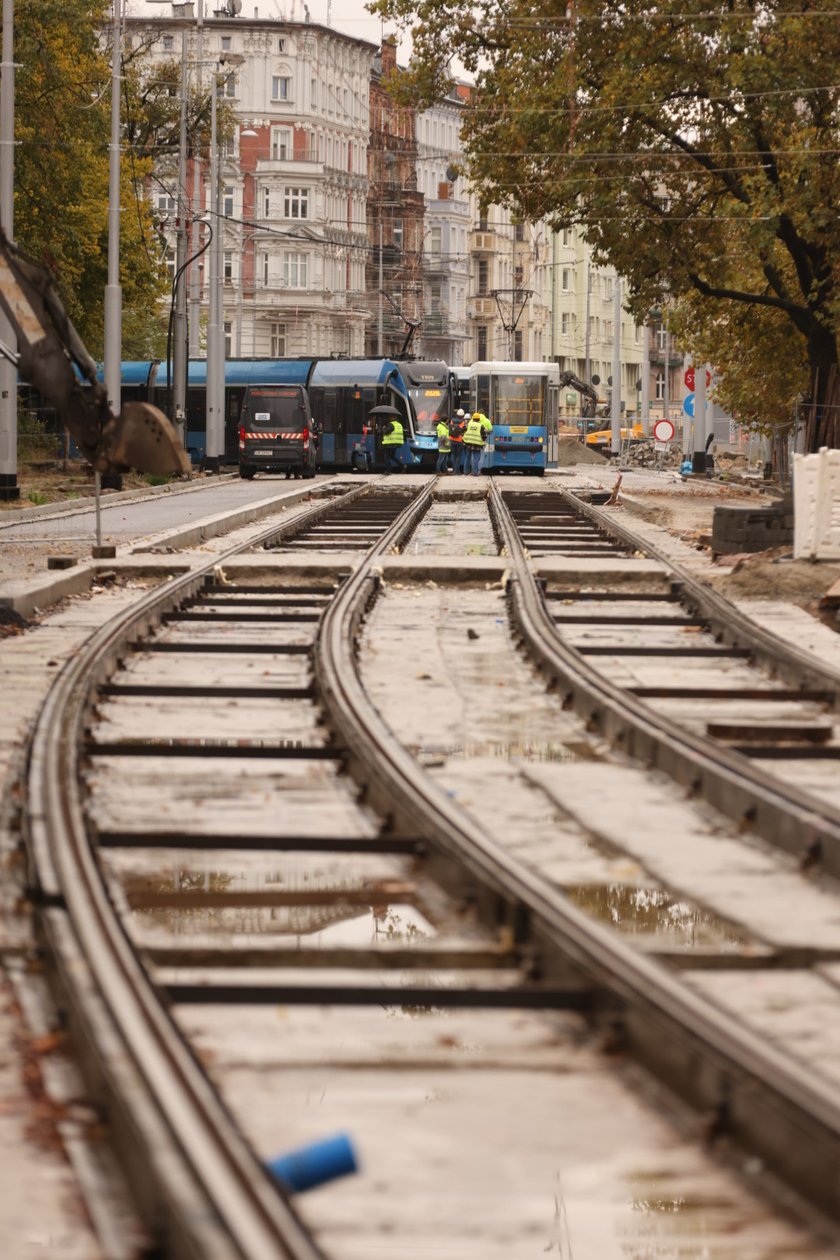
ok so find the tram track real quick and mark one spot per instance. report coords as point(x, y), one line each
point(506, 940)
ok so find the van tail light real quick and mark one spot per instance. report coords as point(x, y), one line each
point(242, 437)
point(306, 439)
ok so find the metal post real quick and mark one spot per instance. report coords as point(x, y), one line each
point(212, 449)
point(587, 363)
point(666, 394)
point(698, 462)
point(180, 349)
point(615, 398)
point(113, 291)
point(645, 378)
point(379, 330)
point(686, 440)
point(195, 265)
point(9, 489)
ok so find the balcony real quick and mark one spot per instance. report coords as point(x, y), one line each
point(484, 242)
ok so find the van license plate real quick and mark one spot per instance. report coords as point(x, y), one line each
point(263, 454)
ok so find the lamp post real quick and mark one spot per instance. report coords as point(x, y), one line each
point(9, 489)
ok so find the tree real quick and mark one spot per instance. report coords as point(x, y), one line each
point(695, 141)
point(62, 130)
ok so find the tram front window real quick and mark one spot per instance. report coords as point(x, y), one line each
point(520, 400)
point(429, 406)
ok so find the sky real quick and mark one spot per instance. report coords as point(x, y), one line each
point(348, 16)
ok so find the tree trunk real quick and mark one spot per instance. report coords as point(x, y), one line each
point(823, 428)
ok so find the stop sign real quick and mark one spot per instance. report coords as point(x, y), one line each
point(689, 378)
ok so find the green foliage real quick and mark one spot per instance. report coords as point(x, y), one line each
point(62, 129)
point(695, 142)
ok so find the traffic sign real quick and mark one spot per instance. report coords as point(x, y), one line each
point(663, 430)
point(688, 405)
point(688, 377)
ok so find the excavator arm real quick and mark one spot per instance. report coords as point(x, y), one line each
point(48, 346)
point(588, 393)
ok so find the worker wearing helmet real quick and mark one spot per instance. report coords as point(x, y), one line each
point(457, 425)
point(475, 435)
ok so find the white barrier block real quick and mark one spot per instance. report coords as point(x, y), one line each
point(827, 531)
point(806, 472)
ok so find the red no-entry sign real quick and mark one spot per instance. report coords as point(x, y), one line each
point(663, 430)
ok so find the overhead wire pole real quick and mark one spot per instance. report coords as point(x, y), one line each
point(9, 488)
point(615, 397)
point(113, 291)
point(212, 444)
point(195, 266)
point(645, 416)
point(180, 349)
point(698, 461)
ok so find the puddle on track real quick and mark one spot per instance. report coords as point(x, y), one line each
point(648, 911)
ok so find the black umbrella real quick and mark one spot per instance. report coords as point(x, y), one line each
point(384, 411)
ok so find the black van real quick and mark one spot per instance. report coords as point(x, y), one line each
point(276, 432)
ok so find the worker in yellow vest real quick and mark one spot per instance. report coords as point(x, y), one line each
point(444, 445)
point(476, 433)
point(392, 441)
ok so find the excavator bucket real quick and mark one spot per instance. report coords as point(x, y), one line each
point(48, 346)
point(141, 437)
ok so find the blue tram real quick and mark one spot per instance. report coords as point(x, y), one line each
point(341, 392)
point(522, 401)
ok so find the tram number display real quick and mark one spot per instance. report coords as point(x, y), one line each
point(519, 428)
point(288, 392)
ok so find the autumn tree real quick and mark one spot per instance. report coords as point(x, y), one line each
point(62, 133)
point(695, 142)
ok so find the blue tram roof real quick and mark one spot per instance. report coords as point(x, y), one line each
point(360, 372)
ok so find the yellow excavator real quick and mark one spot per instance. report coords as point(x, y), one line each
point(48, 347)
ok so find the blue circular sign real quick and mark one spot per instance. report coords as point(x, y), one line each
point(688, 405)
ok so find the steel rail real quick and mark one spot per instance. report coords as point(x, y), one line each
point(198, 1184)
point(753, 1093)
point(782, 814)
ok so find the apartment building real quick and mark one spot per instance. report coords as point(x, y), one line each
point(446, 262)
point(293, 181)
point(583, 321)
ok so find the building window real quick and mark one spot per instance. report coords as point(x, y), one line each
point(435, 241)
point(266, 203)
point(483, 274)
point(263, 268)
point(566, 279)
point(481, 342)
point(229, 86)
point(296, 203)
point(567, 236)
point(165, 203)
point(483, 225)
point(170, 263)
point(519, 232)
point(398, 234)
point(608, 288)
point(281, 87)
point(281, 144)
point(228, 266)
point(226, 43)
point(565, 323)
point(278, 341)
point(168, 42)
point(228, 339)
point(227, 202)
point(660, 386)
point(661, 337)
point(295, 270)
point(281, 44)
point(608, 330)
point(517, 346)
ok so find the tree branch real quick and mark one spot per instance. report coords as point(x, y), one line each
point(801, 316)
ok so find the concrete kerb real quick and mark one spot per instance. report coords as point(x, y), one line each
point(34, 594)
point(16, 516)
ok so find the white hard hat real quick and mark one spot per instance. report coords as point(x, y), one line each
point(460, 412)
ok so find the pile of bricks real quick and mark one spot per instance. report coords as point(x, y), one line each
point(746, 529)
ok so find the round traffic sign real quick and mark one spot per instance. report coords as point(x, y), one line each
point(663, 430)
point(688, 404)
point(688, 377)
